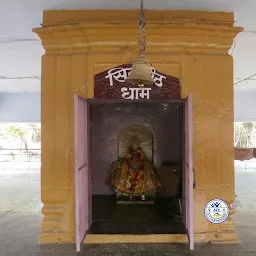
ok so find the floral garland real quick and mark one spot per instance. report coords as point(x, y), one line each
point(134, 167)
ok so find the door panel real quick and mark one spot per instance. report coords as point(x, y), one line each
point(188, 177)
point(89, 150)
point(81, 169)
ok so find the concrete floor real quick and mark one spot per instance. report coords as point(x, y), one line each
point(20, 220)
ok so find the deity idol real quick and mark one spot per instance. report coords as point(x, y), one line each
point(134, 175)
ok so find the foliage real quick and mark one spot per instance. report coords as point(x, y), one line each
point(36, 133)
point(25, 133)
point(3, 135)
point(14, 132)
point(245, 134)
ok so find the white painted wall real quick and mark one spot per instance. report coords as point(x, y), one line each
point(20, 107)
point(245, 106)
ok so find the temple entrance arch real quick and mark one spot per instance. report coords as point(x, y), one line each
point(117, 105)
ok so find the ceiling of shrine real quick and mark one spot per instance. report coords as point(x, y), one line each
point(21, 50)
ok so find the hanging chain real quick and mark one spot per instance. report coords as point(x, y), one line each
point(142, 31)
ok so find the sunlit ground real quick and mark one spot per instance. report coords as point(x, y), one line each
point(12, 168)
point(243, 165)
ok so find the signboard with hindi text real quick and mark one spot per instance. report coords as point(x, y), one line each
point(111, 84)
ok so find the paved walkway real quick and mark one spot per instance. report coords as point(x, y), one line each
point(20, 219)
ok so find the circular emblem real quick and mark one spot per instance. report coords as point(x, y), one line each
point(216, 211)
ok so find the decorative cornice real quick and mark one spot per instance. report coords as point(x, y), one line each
point(162, 37)
point(93, 17)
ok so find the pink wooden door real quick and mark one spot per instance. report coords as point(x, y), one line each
point(188, 178)
point(82, 169)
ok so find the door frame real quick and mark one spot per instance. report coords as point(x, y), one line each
point(184, 213)
point(188, 172)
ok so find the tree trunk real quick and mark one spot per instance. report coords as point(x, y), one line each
point(26, 145)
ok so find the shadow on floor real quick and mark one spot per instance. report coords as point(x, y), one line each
point(112, 218)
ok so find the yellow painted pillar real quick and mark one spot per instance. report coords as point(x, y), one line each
point(190, 45)
point(62, 77)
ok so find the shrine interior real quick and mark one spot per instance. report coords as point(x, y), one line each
point(164, 121)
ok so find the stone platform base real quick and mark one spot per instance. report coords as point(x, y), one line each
point(224, 238)
point(57, 238)
point(220, 238)
point(99, 239)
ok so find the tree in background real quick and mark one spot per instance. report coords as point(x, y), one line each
point(36, 132)
point(3, 135)
point(15, 132)
point(25, 133)
point(245, 134)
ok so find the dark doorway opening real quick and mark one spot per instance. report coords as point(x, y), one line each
point(112, 218)
point(166, 122)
